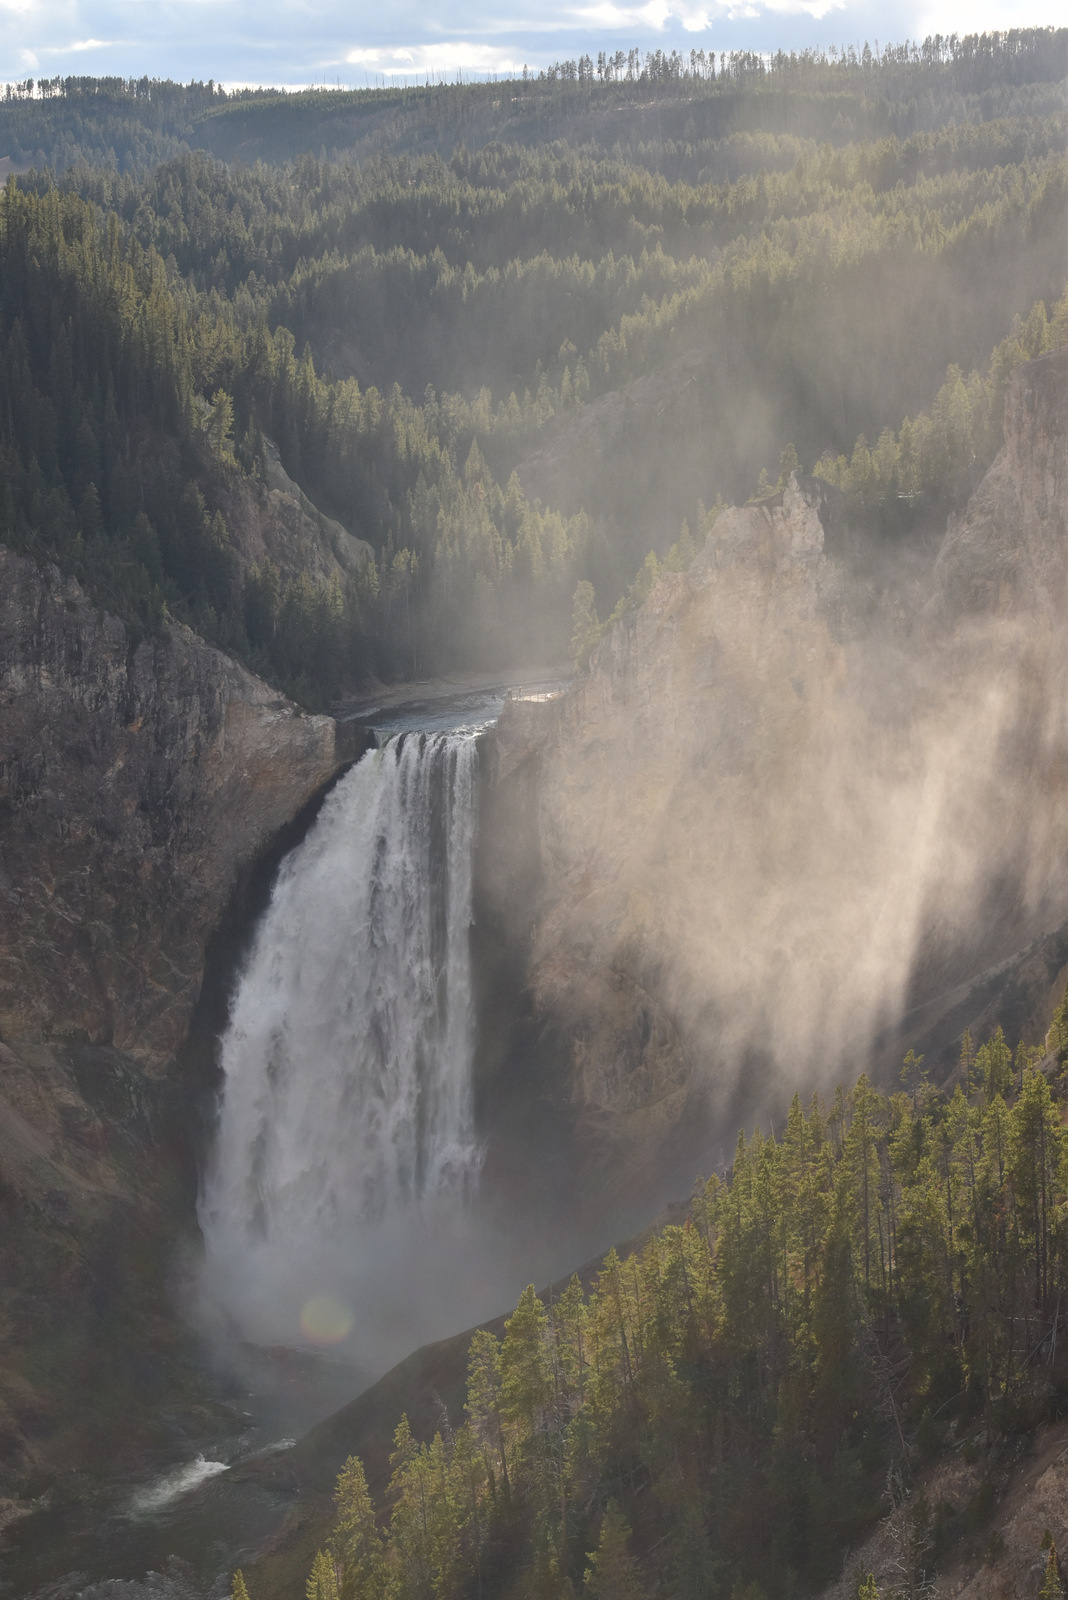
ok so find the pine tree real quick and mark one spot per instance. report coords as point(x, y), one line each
point(357, 1543)
point(220, 427)
point(993, 1066)
point(967, 1057)
point(1052, 1585)
point(322, 1580)
point(1057, 1037)
point(1037, 1143)
point(585, 628)
point(788, 463)
point(612, 1573)
point(484, 1397)
point(526, 1373)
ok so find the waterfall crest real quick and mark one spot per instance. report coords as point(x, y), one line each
point(346, 1124)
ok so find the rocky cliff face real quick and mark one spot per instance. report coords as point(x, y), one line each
point(785, 806)
point(1006, 555)
point(136, 785)
point(133, 783)
point(276, 521)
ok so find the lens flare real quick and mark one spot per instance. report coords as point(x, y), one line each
point(325, 1319)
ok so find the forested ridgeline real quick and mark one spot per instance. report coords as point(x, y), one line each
point(881, 1279)
point(700, 96)
point(508, 359)
point(804, 306)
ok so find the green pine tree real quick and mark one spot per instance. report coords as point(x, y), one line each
point(585, 627)
point(322, 1580)
point(357, 1544)
point(612, 1573)
point(1052, 1587)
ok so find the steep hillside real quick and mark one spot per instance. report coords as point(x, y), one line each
point(862, 1317)
point(680, 111)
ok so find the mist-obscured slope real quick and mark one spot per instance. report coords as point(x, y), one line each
point(792, 801)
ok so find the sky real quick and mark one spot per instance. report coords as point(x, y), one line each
point(357, 42)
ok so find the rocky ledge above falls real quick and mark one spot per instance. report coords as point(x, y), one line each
point(134, 784)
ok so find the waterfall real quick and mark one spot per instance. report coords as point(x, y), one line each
point(346, 1146)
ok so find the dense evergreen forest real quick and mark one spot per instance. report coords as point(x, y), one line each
point(518, 337)
point(735, 1402)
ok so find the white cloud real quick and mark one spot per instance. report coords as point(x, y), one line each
point(944, 16)
point(656, 14)
point(233, 84)
point(75, 48)
point(817, 9)
point(447, 56)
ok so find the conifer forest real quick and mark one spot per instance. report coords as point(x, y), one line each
point(432, 303)
point(734, 1401)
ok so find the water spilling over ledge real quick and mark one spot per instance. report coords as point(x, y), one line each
point(346, 1149)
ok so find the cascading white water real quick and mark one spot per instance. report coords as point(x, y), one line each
point(346, 1146)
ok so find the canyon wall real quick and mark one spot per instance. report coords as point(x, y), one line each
point(138, 786)
point(134, 782)
point(1006, 554)
point(798, 806)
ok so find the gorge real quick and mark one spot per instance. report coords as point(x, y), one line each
point(532, 640)
point(359, 970)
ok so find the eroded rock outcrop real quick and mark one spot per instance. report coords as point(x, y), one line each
point(692, 703)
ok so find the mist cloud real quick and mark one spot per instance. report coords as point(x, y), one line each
point(788, 805)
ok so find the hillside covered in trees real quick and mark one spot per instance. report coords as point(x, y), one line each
point(732, 1405)
point(511, 335)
